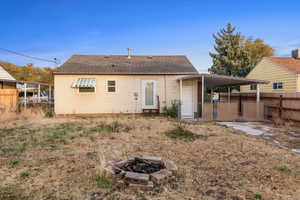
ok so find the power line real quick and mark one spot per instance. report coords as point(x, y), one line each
point(32, 57)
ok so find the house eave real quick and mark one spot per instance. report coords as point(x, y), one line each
point(118, 73)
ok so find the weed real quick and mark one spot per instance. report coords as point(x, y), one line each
point(12, 192)
point(92, 138)
point(72, 137)
point(53, 147)
point(14, 162)
point(13, 150)
point(258, 197)
point(102, 181)
point(180, 133)
point(284, 170)
point(49, 113)
point(34, 141)
point(114, 127)
point(25, 174)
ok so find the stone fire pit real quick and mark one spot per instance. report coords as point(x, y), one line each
point(143, 172)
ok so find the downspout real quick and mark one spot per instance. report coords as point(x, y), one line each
point(257, 101)
point(165, 84)
point(180, 104)
point(202, 98)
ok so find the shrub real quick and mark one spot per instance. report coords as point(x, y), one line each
point(49, 113)
point(173, 110)
point(181, 133)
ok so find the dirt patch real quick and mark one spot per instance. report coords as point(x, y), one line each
point(59, 158)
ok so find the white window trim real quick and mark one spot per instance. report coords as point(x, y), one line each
point(106, 86)
point(277, 88)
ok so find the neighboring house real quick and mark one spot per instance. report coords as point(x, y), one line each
point(8, 91)
point(282, 72)
point(95, 84)
point(7, 81)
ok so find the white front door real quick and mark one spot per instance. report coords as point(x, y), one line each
point(187, 101)
point(149, 94)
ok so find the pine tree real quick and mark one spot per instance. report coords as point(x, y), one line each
point(231, 57)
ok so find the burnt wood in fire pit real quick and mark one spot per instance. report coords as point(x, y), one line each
point(139, 165)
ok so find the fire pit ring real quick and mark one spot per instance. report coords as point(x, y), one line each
point(142, 172)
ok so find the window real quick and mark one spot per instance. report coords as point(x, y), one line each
point(111, 86)
point(86, 89)
point(253, 87)
point(277, 86)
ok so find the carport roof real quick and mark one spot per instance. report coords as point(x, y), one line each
point(214, 80)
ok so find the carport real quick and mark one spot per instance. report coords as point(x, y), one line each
point(204, 81)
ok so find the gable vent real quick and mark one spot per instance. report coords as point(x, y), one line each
point(129, 53)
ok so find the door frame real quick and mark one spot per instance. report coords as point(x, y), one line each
point(154, 106)
point(191, 103)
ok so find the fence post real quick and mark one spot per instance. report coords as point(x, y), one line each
point(240, 104)
point(280, 106)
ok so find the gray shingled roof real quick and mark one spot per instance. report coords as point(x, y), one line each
point(100, 64)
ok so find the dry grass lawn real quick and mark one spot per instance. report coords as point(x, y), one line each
point(60, 158)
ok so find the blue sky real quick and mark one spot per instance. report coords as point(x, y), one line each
point(60, 28)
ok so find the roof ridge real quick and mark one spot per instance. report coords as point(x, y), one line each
point(127, 55)
point(281, 57)
point(120, 64)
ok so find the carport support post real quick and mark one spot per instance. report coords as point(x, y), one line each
point(257, 101)
point(49, 95)
point(228, 94)
point(180, 105)
point(202, 98)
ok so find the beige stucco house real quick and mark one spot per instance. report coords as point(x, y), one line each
point(97, 85)
point(283, 74)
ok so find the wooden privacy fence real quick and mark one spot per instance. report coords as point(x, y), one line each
point(224, 111)
point(276, 105)
point(8, 99)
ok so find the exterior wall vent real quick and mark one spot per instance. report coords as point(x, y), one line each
point(129, 53)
